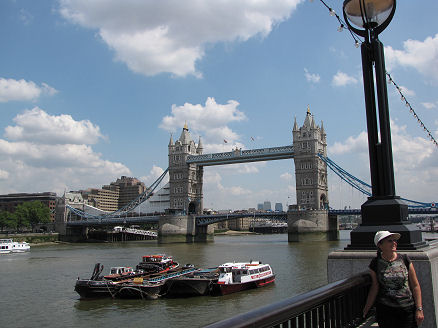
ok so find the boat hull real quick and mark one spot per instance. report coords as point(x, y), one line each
point(135, 291)
point(182, 287)
point(225, 289)
point(95, 288)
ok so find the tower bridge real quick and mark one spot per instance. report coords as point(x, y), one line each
point(185, 187)
point(186, 169)
point(181, 200)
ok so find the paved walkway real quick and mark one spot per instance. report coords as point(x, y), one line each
point(370, 322)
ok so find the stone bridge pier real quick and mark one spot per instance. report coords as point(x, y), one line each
point(312, 225)
point(182, 228)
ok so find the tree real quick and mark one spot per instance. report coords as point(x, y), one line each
point(8, 220)
point(32, 213)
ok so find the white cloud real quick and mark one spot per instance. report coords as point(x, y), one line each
point(4, 174)
point(422, 56)
point(213, 182)
point(153, 175)
point(312, 78)
point(352, 144)
point(429, 105)
point(341, 79)
point(286, 176)
point(21, 90)
point(53, 153)
point(406, 91)
point(37, 126)
point(151, 37)
point(415, 158)
point(209, 121)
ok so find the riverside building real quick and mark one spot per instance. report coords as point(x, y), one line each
point(10, 202)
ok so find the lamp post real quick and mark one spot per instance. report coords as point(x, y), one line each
point(383, 210)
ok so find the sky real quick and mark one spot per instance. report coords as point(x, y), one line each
point(92, 90)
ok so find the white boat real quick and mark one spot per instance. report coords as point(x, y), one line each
point(234, 277)
point(10, 246)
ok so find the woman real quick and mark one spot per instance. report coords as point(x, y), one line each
point(395, 287)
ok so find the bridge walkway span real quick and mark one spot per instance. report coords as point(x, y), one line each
point(242, 156)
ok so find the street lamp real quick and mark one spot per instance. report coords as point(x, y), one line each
point(383, 210)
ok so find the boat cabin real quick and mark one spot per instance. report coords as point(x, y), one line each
point(5, 245)
point(158, 259)
point(121, 270)
point(230, 273)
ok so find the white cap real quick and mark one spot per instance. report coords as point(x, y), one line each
point(380, 235)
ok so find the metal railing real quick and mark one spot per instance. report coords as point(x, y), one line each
point(338, 304)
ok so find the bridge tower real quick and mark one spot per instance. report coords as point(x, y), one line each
point(310, 170)
point(310, 219)
point(185, 180)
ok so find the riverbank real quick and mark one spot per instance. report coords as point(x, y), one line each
point(33, 238)
point(235, 233)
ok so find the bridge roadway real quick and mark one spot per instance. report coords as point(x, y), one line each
point(114, 221)
point(204, 220)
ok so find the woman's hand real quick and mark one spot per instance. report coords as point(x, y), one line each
point(419, 316)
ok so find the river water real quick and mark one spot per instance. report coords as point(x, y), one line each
point(37, 288)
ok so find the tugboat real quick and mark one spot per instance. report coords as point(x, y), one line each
point(235, 277)
point(157, 263)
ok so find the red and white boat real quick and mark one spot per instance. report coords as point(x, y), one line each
point(234, 277)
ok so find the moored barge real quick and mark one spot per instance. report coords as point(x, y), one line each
point(107, 286)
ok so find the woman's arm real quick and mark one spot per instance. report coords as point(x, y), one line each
point(372, 294)
point(416, 293)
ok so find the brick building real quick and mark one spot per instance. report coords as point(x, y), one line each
point(10, 202)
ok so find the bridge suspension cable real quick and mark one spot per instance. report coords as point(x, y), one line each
point(128, 207)
point(356, 183)
point(364, 187)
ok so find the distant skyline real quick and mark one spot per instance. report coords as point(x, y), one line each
point(92, 90)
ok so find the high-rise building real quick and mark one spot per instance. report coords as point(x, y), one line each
point(104, 199)
point(128, 189)
point(267, 206)
point(260, 207)
point(279, 207)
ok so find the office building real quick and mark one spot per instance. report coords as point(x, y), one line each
point(267, 206)
point(279, 207)
point(10, 202)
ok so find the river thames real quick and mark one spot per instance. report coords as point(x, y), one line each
point(37, 287)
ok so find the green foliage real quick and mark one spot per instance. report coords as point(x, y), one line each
point(29, 214)
point(7, 220)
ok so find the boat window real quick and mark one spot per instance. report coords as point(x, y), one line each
point(245, 272)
